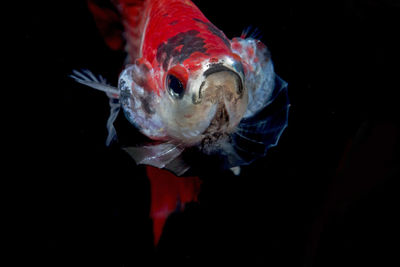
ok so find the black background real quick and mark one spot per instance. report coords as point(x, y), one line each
point(325, 196)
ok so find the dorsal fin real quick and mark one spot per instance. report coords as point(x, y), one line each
point(114, 17)
point(108, 21)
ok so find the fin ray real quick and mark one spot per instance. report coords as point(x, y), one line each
point(159, 155)
point(86, 77)
point(98, 83)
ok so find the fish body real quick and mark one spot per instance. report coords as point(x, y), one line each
point(168, 91)
point(186, 85)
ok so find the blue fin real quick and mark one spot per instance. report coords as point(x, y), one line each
point(251, 32)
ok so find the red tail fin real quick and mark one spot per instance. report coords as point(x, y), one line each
point(168, 194)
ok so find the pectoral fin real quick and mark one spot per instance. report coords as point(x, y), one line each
point(165, 155)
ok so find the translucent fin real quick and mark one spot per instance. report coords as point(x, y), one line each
point(236, 170)
point(266, 116)
point(256, 134)
point(86, 77)
point(251, 32)
point(165, 155)
point(178, 166)
point(115, 106)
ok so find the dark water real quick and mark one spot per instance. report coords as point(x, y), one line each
point(325, 196)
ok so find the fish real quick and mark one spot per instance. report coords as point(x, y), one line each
point(188, 88)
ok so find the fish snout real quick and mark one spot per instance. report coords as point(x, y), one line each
point(210, 108)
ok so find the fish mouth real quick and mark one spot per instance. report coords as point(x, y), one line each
point(217, 132)
point(223, 88)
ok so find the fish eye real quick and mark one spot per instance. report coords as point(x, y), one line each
point(175, 86)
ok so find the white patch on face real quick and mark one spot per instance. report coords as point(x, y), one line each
point(138, 103)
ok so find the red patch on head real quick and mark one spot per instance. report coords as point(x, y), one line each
point(181, 73)
point(213, 60)
point(250, 51)
point(236, 45)
point(236, 57)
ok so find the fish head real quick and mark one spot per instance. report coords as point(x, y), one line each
point(192, 107)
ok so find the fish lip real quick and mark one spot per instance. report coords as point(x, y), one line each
point(220, 67)
point(214, 68)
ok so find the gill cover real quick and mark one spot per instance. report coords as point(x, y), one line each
point(267, 114)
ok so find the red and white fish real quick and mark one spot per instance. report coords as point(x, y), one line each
point(186, 85)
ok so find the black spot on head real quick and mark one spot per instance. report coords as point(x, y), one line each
point(180, 47)
point(215, 68)
point(196, 98)
point(217, 32)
